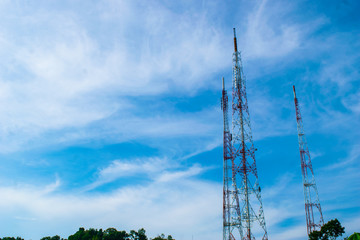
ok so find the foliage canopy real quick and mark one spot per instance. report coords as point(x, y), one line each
point(108, 234)
point(329, 231)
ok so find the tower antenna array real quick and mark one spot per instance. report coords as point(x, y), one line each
point(243, 215)
point(314, 217)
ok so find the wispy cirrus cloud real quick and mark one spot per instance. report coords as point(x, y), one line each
point(169, 176)
point(263, 38)
point(156, 206)
point(156, 169)
point(125, 168)
point(71, 80)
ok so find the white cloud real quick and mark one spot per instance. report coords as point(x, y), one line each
point(265, 37)
point(351, 226)
point(125, 168)
point(177, 207)
point(352, 102)
point(348, 161)
point(161, 170)
point(186, 132)
point(175, 202)
point(338, 186)
point(293, 233)
point(172, 176)
point(65, 77)
point(71, 80)
point(216, 142)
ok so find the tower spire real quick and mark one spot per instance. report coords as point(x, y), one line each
point(243, 211)
point(235, 41)
point(314, 217)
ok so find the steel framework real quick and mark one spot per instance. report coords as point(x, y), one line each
point(243, 215)
point(314, 217)
point(229, 208)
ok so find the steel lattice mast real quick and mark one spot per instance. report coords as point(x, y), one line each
point(314, 217)
point(230, 207)
point(243, 212)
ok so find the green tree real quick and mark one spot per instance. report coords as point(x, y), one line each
point(329, 231)
point(162, 237)
point(56, 237)
point(90, 234)
point(79, 235)
point(142, 234)
point(159, 237)
point(113, 234)
point(355, 236)
point(100, 234)
point(11, 238)
point(108, 234)
point(133, 235)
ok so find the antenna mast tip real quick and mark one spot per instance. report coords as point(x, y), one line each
point(235, 42)
point(294, 91)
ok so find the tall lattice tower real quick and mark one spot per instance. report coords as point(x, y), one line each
point(314, 217)
point(230, 208)
point(242, 208)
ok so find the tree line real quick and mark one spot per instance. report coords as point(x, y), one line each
point(108, 234)
point(329, 231)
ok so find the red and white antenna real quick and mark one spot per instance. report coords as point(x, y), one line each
point(243, 211)
point(229, 207)
point(314, 217)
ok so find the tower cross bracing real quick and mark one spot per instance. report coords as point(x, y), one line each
point(243, 215)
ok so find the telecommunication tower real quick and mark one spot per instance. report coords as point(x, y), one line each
point(314, 217)
point(229, 208)
point(243, 215)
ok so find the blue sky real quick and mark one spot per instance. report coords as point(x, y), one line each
point(110, 112)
